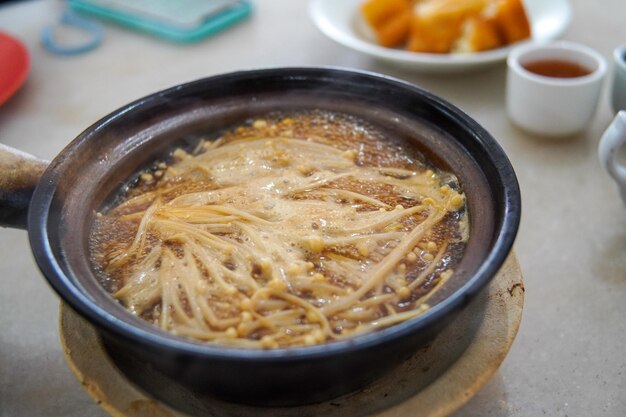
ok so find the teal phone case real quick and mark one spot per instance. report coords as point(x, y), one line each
point(211, 26)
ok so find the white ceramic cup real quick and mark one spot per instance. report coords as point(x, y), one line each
point(551, 106)
point(612, 140)
point(618, 91)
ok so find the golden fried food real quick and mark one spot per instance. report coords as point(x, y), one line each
point(447, 26)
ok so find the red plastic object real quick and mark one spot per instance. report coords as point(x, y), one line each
point(14, 66)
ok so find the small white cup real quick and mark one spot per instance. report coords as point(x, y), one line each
point(612, 140)
point(551, 106)
point(618, 90)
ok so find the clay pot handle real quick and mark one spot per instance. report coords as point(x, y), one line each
point(19, 174)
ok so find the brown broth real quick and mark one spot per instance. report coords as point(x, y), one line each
point(115, 232)
point(557, 68)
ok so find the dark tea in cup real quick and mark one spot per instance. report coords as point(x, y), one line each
point(557, 68)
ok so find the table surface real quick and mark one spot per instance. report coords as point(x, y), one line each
point(569, 358)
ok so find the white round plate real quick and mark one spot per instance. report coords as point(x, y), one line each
point(340, 20)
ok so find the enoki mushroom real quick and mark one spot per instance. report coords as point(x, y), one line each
point(283, 233)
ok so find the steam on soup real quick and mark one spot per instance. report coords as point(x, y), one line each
point(290, 230)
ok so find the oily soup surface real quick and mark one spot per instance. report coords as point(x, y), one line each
point(289, 230)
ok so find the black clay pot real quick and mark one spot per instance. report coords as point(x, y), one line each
point(187, 374)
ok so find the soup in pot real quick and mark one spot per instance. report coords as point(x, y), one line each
point(288, 230)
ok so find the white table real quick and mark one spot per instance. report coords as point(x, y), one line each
point(569, 358)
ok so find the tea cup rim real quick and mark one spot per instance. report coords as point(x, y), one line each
point(619, 57)
point(514, 61)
